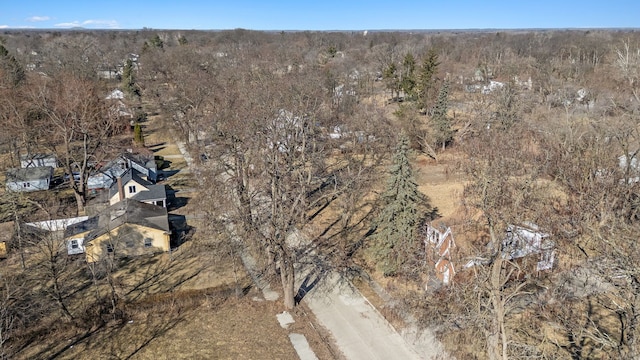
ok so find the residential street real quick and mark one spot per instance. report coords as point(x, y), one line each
point(359, 329)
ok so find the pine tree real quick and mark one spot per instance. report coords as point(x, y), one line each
point(11, 67)
point(390, 75)
point(138, 137)
point(395, 243)
point(128, 79)
point(426, 79)
point(443, 134)
point(408, 82)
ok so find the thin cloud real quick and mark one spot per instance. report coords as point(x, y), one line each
point(109, 24)
point(38, 18)
point(4, 26)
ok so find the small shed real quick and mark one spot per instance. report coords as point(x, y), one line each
point(439, 246)
point(29, 179)
point(38, 160)
point(525, 240)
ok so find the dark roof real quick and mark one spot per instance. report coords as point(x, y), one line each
point(29, 174)
point(139, 159)
point(83, 226)
point(128, 175)
point(154, 192)
point(129, 211)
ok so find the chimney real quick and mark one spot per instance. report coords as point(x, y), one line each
point(120, 189)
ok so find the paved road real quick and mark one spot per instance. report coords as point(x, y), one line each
point(360, 331)
point(358, 328)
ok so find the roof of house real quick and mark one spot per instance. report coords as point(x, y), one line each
point(144, 160)
point(154, 192)
point(37, 156)
point(128, 175)
point(29, 174)
point(127, 211)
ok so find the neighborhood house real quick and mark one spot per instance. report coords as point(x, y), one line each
point(131, 185)
point(106, 175)
point(29, 179)
point(128, 228)
point(38, 160)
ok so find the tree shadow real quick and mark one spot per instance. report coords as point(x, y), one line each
point(169, 173)
point(157, 147)
point(308, 284)
point(175, 202)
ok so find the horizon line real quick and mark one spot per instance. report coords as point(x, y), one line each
point(326, 30)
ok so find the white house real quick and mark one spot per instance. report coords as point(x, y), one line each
point(29, 179)
point(104, 177)
point(521, 241)
point(59, 226)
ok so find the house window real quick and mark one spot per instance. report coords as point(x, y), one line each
point(109, 248)
point(148, 243)
point(26, 185)
point(74, 244)
point(132, 189)
point(160, 203)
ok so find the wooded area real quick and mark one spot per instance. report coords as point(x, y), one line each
point(312, 147)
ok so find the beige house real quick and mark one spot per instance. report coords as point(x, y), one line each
point(132, 185)
point(127, 228)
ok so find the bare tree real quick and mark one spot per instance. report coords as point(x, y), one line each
point(77, 126)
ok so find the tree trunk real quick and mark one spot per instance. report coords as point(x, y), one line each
point(287, 276)
point(60, 300)
point(496, 332)
point(80, 200)
point(496, 337)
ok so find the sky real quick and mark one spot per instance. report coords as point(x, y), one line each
point(319, 14)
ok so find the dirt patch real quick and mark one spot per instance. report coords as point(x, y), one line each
point(441, 182)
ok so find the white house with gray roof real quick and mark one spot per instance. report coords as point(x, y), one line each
point(132, 185)
point(29, 179)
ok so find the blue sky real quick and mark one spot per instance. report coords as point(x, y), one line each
point(319, 14)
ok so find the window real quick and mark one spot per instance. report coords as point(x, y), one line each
point(74, 244)
point(148, 243)
point(109, 248)
point(160, 203)
point(26, 185)
point(132, 189)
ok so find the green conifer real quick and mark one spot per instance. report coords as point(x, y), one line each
point(395, 242)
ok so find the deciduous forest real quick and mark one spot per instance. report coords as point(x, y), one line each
point(483, 185)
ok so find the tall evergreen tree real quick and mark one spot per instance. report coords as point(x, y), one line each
point(10, 67)
point(443, 134)
point(138, 136)
point(408, 82)
point(426, 78)
point(128, 79)
point(395, 242)
point(390, 75)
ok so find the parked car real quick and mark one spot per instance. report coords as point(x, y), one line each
point(76, 177)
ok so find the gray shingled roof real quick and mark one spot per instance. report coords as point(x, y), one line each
point(127, 211)
point(29, 174)
point(128, 175)
point(155, 192)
